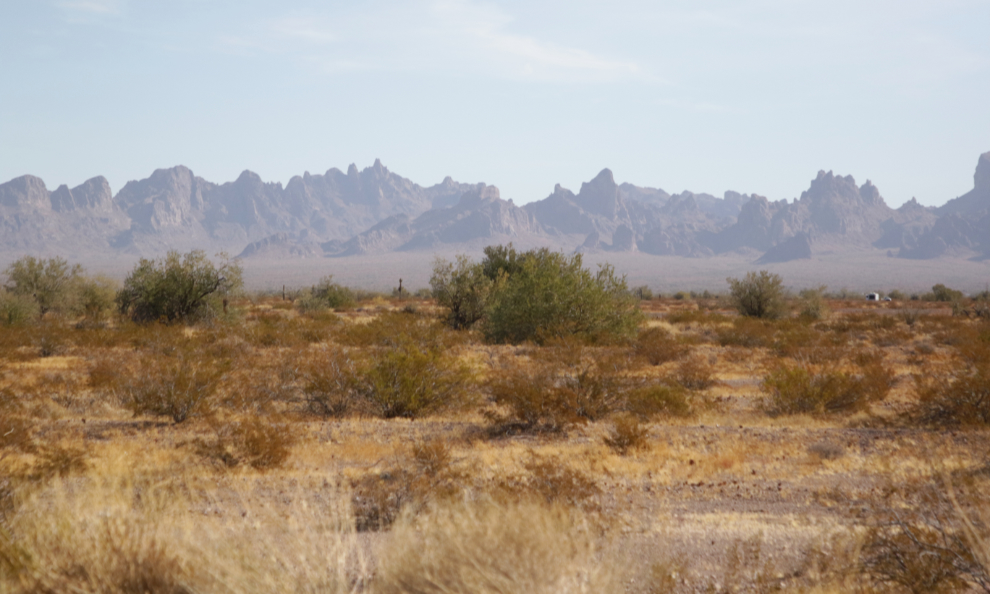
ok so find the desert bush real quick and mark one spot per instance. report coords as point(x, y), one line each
point(389, 329)
point(379, 499)
point(96, 297)
point(657, 345)
point(565, 385)
point(813, 305)
point(49, 282)
point(326, 294)
point(552, 296)
point(462, 288)
point(177, 287)
point(958, 397)
point(747, 332)
point(17, 310)
point(626, 433)
point(660, 400)
point(177, 386)
point(262, 442)
point(695, 373)
point(329, 382)
point(486, 548)
point(758, 295)
point(410, 380)
point(944, 294)
point(799, 388)
point(928, 540)
point(643, 293)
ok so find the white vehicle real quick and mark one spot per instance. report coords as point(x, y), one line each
point(873, 297)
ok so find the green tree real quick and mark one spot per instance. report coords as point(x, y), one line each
point(177, 287)
point(552, 296)
point(944, 293)
point(758, 295)
point(49, 282)
point(461, 287)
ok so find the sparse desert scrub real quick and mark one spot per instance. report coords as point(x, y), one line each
point(658, 345)
point(562, 385)
point(660, 400)
point(263, 442)
point(489, 548)
point(627, 433)
point(177, 386)
point(807, 389)
point(929, 539)
point(957, 397)
point(410, 380)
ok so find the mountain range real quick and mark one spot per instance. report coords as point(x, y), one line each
point(375, 211)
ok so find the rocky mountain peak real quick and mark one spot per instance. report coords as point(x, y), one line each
point(352, 170)
point(981, 179)
point(600, 195)
point(26, 191)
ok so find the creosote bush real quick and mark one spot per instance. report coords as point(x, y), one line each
point(537, 295)
point(410, 380)
point(326, 294)
point(564, 385)
point(626, 434)
point(177, 386)
point(804, 389)
point(658, 345)
point(758, 295)
point(960, 397)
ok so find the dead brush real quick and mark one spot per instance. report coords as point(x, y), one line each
point(658, 346)
point(626, 434)
point(564, 385)
point(923, 541)
point(958, 397)
point(695, 373)
point(261, 442)
point(178, 386)
point(803, 388)
point(549, 480)
point(329, 381)
point(379, 499)
point(661, 400)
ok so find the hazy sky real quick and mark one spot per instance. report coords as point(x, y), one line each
point(754, 96)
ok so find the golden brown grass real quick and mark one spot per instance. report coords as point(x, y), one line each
point(284, 473)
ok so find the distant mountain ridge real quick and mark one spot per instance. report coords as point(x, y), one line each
point(375, 211)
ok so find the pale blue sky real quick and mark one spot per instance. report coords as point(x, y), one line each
point(754, 96)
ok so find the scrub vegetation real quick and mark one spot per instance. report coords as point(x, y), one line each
point(177, 434)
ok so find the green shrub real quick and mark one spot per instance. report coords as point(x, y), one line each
point(177, 287)
point(96, 297)
point(326, 294)
point(462, 288)
point(411, 381)
point(49, 282)
point(813, 306)
point(643, 293)
point(552, 296)
point(660, 400)
point(17, 310)
point(758, 295)
point(942, 293)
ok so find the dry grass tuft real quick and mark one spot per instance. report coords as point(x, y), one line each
point(485, 548)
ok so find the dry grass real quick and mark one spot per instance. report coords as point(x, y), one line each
point(371, 450)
